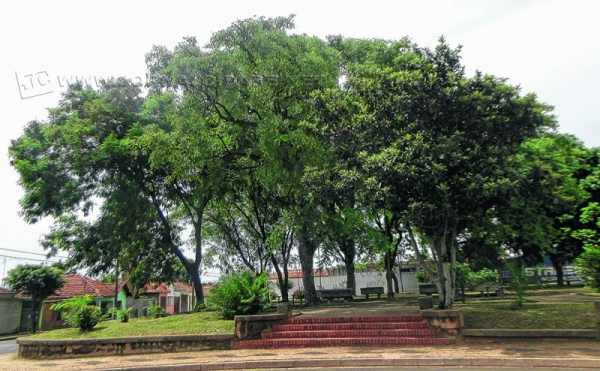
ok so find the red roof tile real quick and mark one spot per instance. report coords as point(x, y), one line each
point(76, 285)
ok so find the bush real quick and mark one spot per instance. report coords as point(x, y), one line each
point(79, 312)
point(588, 266)
point(422, 277)
point(470, 279)
point(155, 311)
point(120, 314)
point(240, 293)
point(518, 283)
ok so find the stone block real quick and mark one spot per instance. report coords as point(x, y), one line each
point(448, 322)
point(252, 326)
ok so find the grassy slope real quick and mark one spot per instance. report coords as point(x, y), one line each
point(531, 316)
point(194, 323)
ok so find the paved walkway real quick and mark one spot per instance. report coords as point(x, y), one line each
point(513, 353)
point(360, 308)
point(8, 346)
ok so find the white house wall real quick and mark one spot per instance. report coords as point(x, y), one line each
point(407, 282)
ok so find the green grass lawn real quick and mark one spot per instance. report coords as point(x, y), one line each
point(497, 314)
point(195, 323)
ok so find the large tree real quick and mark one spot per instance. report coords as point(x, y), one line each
point(435, 142)
point(97, 145)
point(544, 202)
point(257, 79)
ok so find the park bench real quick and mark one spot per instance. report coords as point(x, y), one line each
point(331, 294)
point(490, 289)
point(366, 291)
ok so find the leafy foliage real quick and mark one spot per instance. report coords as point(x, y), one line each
point(518, 283)
point(79, 312)
point(120, 314)
point(472, 279)
point(588, 266)
point(240, 293)
point(154, 310)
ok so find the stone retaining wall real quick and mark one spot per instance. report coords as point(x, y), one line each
point(448, 322)
point(31, 348)
point(252, 326)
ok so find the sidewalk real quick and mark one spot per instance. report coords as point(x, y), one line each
point(512, 353)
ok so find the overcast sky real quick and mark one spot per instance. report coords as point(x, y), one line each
point(548, 47)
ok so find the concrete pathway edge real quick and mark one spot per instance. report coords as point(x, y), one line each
point(563, 363)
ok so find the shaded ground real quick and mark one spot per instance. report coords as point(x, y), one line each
point(571, 350)
point(360, 308)
point(194, 323)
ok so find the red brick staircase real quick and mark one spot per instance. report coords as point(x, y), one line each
point(346, 331)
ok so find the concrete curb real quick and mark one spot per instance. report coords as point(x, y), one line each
point(564, 363)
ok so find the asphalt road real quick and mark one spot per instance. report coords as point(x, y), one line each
point(8, 346)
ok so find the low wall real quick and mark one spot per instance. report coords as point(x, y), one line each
point(252, 326)
point(448, 322)
point(10, 308)
point(31, 348)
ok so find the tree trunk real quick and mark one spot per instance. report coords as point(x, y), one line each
point(116, 300)
point(388, 275)
point(193, 271)
point(349, 255)
point(35, 308)
point(306, 252)
point(445, 267)
point(281, 280)
point(396, 285)
point(558, 267)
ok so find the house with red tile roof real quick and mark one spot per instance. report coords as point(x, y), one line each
point(173, 298)
point(75, 285)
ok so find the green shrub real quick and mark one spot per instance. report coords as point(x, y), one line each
point(120, 314)
point(467, 278)
point(588, 266)
point(240, 293)
point(155, 311)
point(518, 283)
point(422, 277)
point(79, 311)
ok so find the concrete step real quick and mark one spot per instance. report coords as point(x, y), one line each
point(325, 342)
point(351, 326)
point(422, 332)
point(353, 319)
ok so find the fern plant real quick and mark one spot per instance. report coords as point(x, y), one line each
point(154, 311)
point(241, 293)
point(79, 311)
